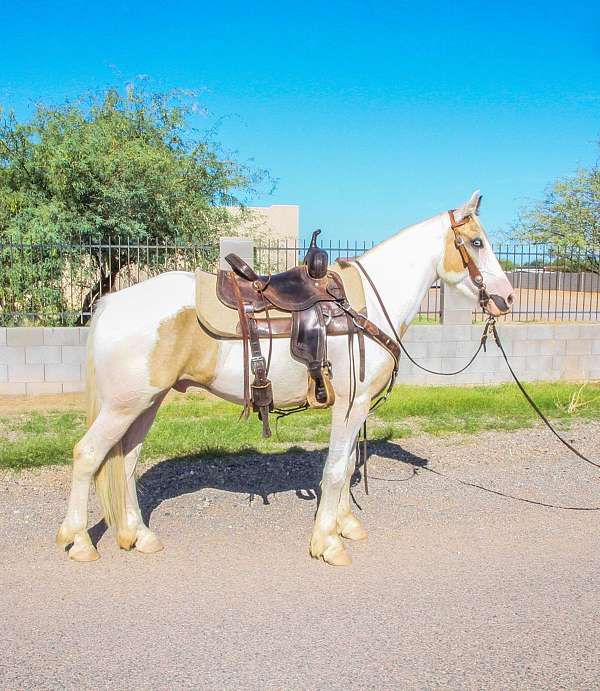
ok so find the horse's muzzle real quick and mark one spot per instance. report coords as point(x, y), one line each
point(499, 305)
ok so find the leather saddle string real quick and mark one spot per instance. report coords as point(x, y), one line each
point(351, 367)
point(245, 340)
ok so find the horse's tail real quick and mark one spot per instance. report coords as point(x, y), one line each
point(110, 478)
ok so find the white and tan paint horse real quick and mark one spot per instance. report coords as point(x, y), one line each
point(145, 340)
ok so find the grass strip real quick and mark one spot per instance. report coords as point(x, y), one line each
point(197, 425)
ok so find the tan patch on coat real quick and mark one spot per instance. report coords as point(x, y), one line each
point(453, 262)
point(183, 351)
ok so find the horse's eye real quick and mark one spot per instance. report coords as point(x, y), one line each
point(477, 242)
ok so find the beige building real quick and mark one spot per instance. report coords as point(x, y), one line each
point(277, 224)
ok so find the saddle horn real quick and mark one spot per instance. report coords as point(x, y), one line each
point(316, 259)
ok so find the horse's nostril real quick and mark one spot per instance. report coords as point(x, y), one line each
point(510, 299)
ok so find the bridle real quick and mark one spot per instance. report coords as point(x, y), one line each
point(467, 260)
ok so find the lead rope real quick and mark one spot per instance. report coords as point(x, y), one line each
point(532, 403)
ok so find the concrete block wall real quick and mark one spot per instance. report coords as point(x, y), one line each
point(42, 360)
point(50, 361)
point(537, 352)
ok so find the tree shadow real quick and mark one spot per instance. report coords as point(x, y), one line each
point(250, 472)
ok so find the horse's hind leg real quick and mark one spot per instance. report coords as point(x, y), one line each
point(145, 540)
point(89, 453)
point(348, 525)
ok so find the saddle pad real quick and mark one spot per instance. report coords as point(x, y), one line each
point(221, 322)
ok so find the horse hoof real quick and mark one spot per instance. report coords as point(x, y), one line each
point(148, 543)
point(356, 533)
point(65, 536)
point(83, 550)
point(126, 539)
point(352, 529)
point(330, 549)
point(339, 557)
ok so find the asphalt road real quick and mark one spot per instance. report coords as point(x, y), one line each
point(456, 588)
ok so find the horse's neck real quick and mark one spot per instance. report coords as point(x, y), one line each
point(403, 269)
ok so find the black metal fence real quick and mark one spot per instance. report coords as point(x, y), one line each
point(57, 284)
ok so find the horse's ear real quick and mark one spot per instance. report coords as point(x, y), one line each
point(470, 208)
point(474, 203)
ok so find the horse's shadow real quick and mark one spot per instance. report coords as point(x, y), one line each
point(250, 472)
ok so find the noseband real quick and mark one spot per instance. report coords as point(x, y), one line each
point(468, 263)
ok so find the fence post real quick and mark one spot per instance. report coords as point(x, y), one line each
point(456, 307)
point(243, 247)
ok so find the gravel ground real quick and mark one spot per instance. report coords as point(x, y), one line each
point(456, 587)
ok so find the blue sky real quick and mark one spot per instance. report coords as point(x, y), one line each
point(371, 116)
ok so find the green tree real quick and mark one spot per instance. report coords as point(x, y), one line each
point(120, 167)
point(568, 218)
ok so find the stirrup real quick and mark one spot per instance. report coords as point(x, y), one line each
point(321, 401)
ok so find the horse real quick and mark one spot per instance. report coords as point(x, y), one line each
point(145, 340)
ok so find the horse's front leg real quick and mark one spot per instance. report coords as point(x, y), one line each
point(326, 542)
point(348, 525)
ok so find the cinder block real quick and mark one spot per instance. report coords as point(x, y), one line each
point(2, 335)
point(43, 388)
point(24, 336)
point(519, 365)
point(73, 354)
point(25, 373)
point(496, 377)
point(566, 331)
point(430, 363)
point(442, 349)
point(42, 354)
point(509, 331)
point(3, 374)
point(596, 347)
point(63, 372)
point(554, 347)
point(468, 378)
point(589, 330)
point(538, 363)
point(525, 348)
point(12, 389)
point(73, 387)
point(571, 367)
point(63, 335)
point(457, 332)
point(538, 332)
point(424, 332)
point(12, 355)
point(418, 350)
point(83, 334)
point(465, 349)
point(579, 347)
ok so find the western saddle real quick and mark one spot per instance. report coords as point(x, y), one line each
point(316, 301)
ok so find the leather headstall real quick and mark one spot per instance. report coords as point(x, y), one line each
point(468, 263)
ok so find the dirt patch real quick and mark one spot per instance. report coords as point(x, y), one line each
point(18, 404)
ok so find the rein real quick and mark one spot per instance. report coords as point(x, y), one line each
point(489, 327)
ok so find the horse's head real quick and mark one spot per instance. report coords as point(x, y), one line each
point(469, 263)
